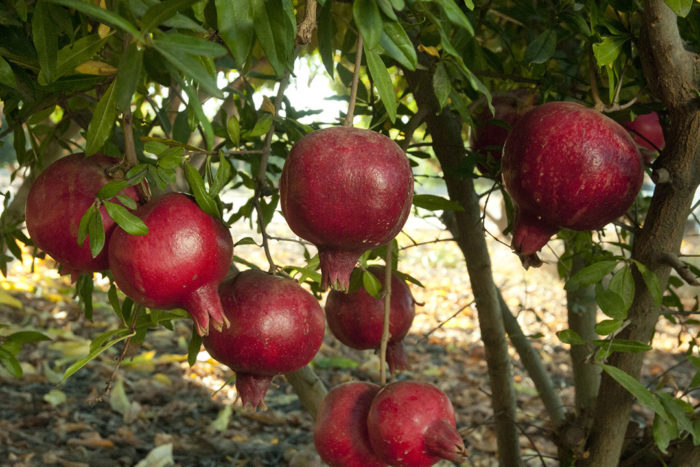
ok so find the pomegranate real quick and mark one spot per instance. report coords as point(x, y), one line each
point(178, 263)
point(567, 166)
point(413, 424)
point(276, 327)
point(346, 190)
point(357, 319)
point(647, 133)
point(58, 200)
point(340, 429)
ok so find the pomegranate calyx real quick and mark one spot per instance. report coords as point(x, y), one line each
point(396, 356)
point(252, 388)
point(443, 440)
point(204, 306)
point(336, 268)
point(530, 234)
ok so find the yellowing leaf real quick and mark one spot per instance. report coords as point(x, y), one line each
point(430, 50)
point(95, 67)
point(267, 106)
point(7, 299)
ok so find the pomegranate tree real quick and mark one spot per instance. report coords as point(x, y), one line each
point(275, 327)
point(567, 166)
point(346, 190)
point(413, 424)
point(178, 263)
point(356, 319)
point(56, 203)
point(340, 429)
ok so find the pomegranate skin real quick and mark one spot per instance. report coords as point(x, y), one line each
point(345, 190)
point(412, 424)
point(357, 319)
point(647, 133)
point(178, 263)
point(567, 166)
point(276, 327)
point(58, 200)
point(340, 429)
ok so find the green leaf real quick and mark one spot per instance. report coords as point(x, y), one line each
point(126, 220)
point(96, 234)
point(542, 48)
point(607, 326)
point(591, 274)
point(679, 409)
point(204, 200)
point(455, 15)
point(233, 129)
point(275, 32)
point(371, 284)
point(189, 65)
point(607, 50)
point(128, 202)
point(7, 76)
point(100, 127)
point(84, 287)
point(193, 45)
point(651, 281)
point(236, 27)
point(222, 177)
point(128, 75)
point(13, 343)
point(369, 22)
point(622, 345)
point(680, 7)
point(436, 203)
point(45, 39)
point(663, 431)
point(622, 283)
point(326, 32)
point(160, 12)
point(78, 53)
point(10, 363)
point(95, 350)
point(196, 107)
point(388, 9)
point(382, 80)
point(397, 44)
point(102, 14)
point(610, 303)
point(245, 241)
point(569, 336)
point(442, 84)
point(171, 157)
point(643, 395)
point(110, 190)
point(84, 223)
point(193, 347)
point(262, 126)
point(114, 302)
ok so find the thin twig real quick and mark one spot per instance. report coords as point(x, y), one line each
point(428, 242)
point(426, 335)
point(680, 267)
point(130, 157)
point(132, 327)
point(412, 125)
point(355, 81)
point(306, 27)
point(387, 313)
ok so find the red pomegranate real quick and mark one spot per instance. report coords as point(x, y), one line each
point(57, 201)
point(567, 166)
point(340, 429)
point(412, 424)
point(357, 319)
point(178, 263)
point(346, 190)
point(647, 133)
point(276, 327)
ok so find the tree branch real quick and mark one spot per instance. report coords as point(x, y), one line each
point(680, 267)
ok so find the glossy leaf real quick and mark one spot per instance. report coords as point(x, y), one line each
point(607, 50)
point(591, 274)
point(643, 395)
point(125, 219)
point(84, 223)
point(382, 80)
point(542, 48)
point(193, 347)
point(102, 14)
point(204, 200)
point(236, 27)
point(96, 235)
point(436, 203)
point(398, 46)
point(569, 336)
point(455, 15)
point(610, 303)
point(369, 21)
point(160, 12)
point(45, 39)
point(109, 190)
point(193, 45)
point(622, 283)
point(77, 53)
point(100, 127)
point(371, 284)
point(607, 326)
point(189, 65)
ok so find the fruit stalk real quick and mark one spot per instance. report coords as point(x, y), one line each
point(387, 313)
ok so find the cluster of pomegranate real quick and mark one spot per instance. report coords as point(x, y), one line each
point(405, 423)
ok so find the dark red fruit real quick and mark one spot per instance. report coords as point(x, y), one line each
point(567, 166)
point(58, 200)
point(346, 190)
point(647, 133)
point(413, 424)
point(357, 319)
point(340, 429)
point(178, 263)
point(276, 327)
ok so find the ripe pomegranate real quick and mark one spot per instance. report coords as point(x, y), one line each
point(647, 133)
point(178, 263)
point(276, 327)
point(356, 319)
point(413, 424)
point(567, 166)
point(490, 133)
point(58, 200)
point(346, 190)
point(340, 429)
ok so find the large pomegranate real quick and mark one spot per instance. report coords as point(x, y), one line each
point(57, 201)
point(276, 327)
point(412, 424)
point(357, 318)
point(346, 190)
point(340, 429)
point(567, 166)
point(178, 263)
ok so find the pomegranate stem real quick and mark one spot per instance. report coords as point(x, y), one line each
point(387, 312)
point(355, 80)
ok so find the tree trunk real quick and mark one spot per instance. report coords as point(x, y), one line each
point(673, 74)
point(445, 130)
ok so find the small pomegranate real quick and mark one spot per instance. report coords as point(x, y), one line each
point(346, 190)
point(357, 319)
point(412, 424)
point(58, 200)
point(178, 263)
point(276, 327)
point(340, 429)
point(647, 133)
point(567, 166)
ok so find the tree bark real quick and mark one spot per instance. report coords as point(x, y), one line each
point(445, 130)
point(673, 74)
